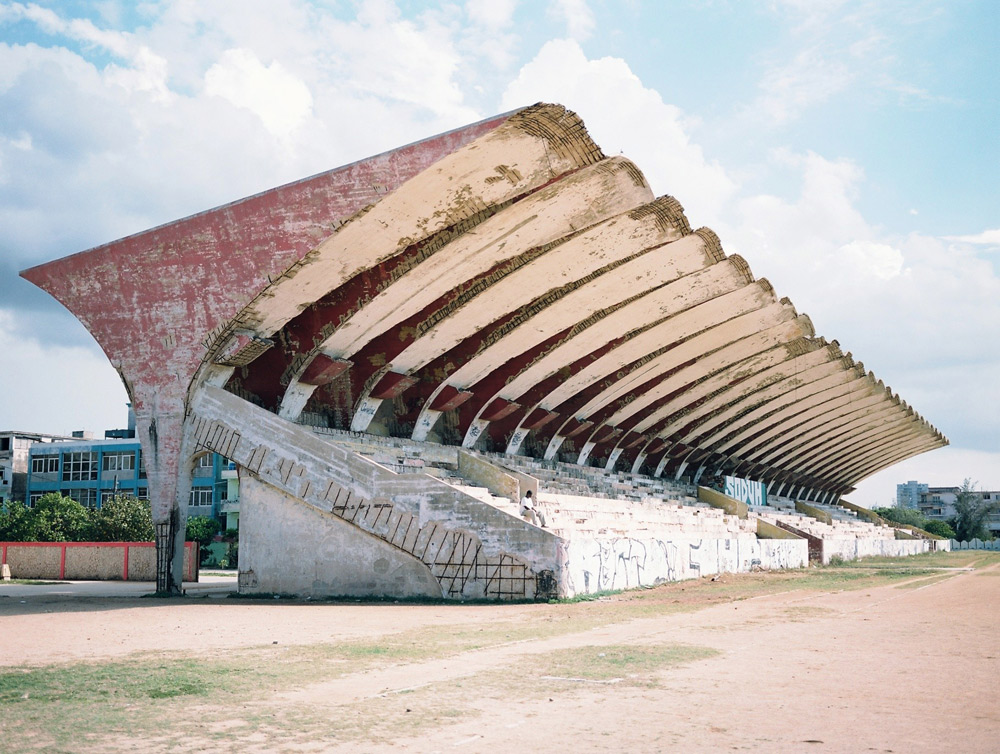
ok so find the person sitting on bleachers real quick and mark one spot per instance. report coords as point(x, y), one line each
point(529, 512)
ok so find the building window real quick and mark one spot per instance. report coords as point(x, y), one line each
point(44, 464)
point(79, 466)
point(204, 466)
point(34, 497)
point(86, 497)
point(142, 493)
point(119, 461)
point(201, 496)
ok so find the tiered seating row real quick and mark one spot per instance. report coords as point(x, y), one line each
point(837, 530)
point(571, 515)
point(567, 478)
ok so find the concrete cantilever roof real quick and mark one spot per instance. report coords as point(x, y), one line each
point(505, 286)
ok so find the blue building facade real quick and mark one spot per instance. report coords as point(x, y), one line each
point(92, 471)
point(908, 495)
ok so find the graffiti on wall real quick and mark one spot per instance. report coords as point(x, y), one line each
point(745, 490)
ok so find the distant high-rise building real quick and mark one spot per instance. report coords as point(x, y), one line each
point(908, 495)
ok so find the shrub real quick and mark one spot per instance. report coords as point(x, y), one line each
point(59, 519)
point(123, 518)
point(15, 523)
point(941, 528)
point(202, 529)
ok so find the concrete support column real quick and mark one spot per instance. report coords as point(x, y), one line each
point(159, 434)
point(553, 448)
point(613, 459)
point(585, 452)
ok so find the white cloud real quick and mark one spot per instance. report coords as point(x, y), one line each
point(71, 388)
point(987, 237)
point(148, 73)
point(624, 116)
point(811, 77)
point(143, 70)
point(489, 35)
point(491, 14)
point(278, 98)
point(384, 57)
point(797, 238)
point(915, 309)
point(577, 16)
point(874, 259)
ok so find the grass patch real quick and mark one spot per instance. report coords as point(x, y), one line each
point(934, 579)
point(631, 664)
point(802, 613)
point(942, 559)
point(218, 701)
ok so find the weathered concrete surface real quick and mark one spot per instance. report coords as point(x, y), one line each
point(503, 286)
point(153, 300)
point(626, 562)
point(472, 549)
point(290, 548)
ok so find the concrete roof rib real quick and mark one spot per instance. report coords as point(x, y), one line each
point(505, 286)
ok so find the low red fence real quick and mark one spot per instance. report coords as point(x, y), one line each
point(90, 561)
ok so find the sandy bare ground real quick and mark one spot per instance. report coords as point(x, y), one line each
point(905, 667)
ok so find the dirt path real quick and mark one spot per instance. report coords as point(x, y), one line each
point(898, 668)
point(891, 669)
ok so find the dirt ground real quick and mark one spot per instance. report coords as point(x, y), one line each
point(906, 666)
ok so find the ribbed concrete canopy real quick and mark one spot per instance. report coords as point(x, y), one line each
point(508, 287)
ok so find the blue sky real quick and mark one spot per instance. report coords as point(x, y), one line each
point(848, 150)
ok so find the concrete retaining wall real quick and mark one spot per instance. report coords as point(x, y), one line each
point(852, 549)
point(594, 565)
point(90, 561)
point(290, 548)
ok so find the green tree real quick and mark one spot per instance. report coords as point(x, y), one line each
point(901, 515)
point(59, 519)
point(971, 511)
point(202, 529)
point(232, 557)
point(123, 518)
point(15, 523)
point(941, 528)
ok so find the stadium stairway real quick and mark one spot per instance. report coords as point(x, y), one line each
point(326, 512)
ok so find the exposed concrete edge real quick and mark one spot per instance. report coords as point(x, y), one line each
point(809, 510)
point(766, 530)
point(499, 480)
point(864, 512)
point(730, 505)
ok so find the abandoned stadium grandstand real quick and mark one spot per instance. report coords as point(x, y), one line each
point(394, 351)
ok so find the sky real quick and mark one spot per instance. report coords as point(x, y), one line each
point(848, 151)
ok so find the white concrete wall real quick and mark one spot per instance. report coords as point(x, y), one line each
point(865, 547)
point(290, 548)
point(594, 565)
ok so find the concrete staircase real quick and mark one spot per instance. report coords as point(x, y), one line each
point(332, 512)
